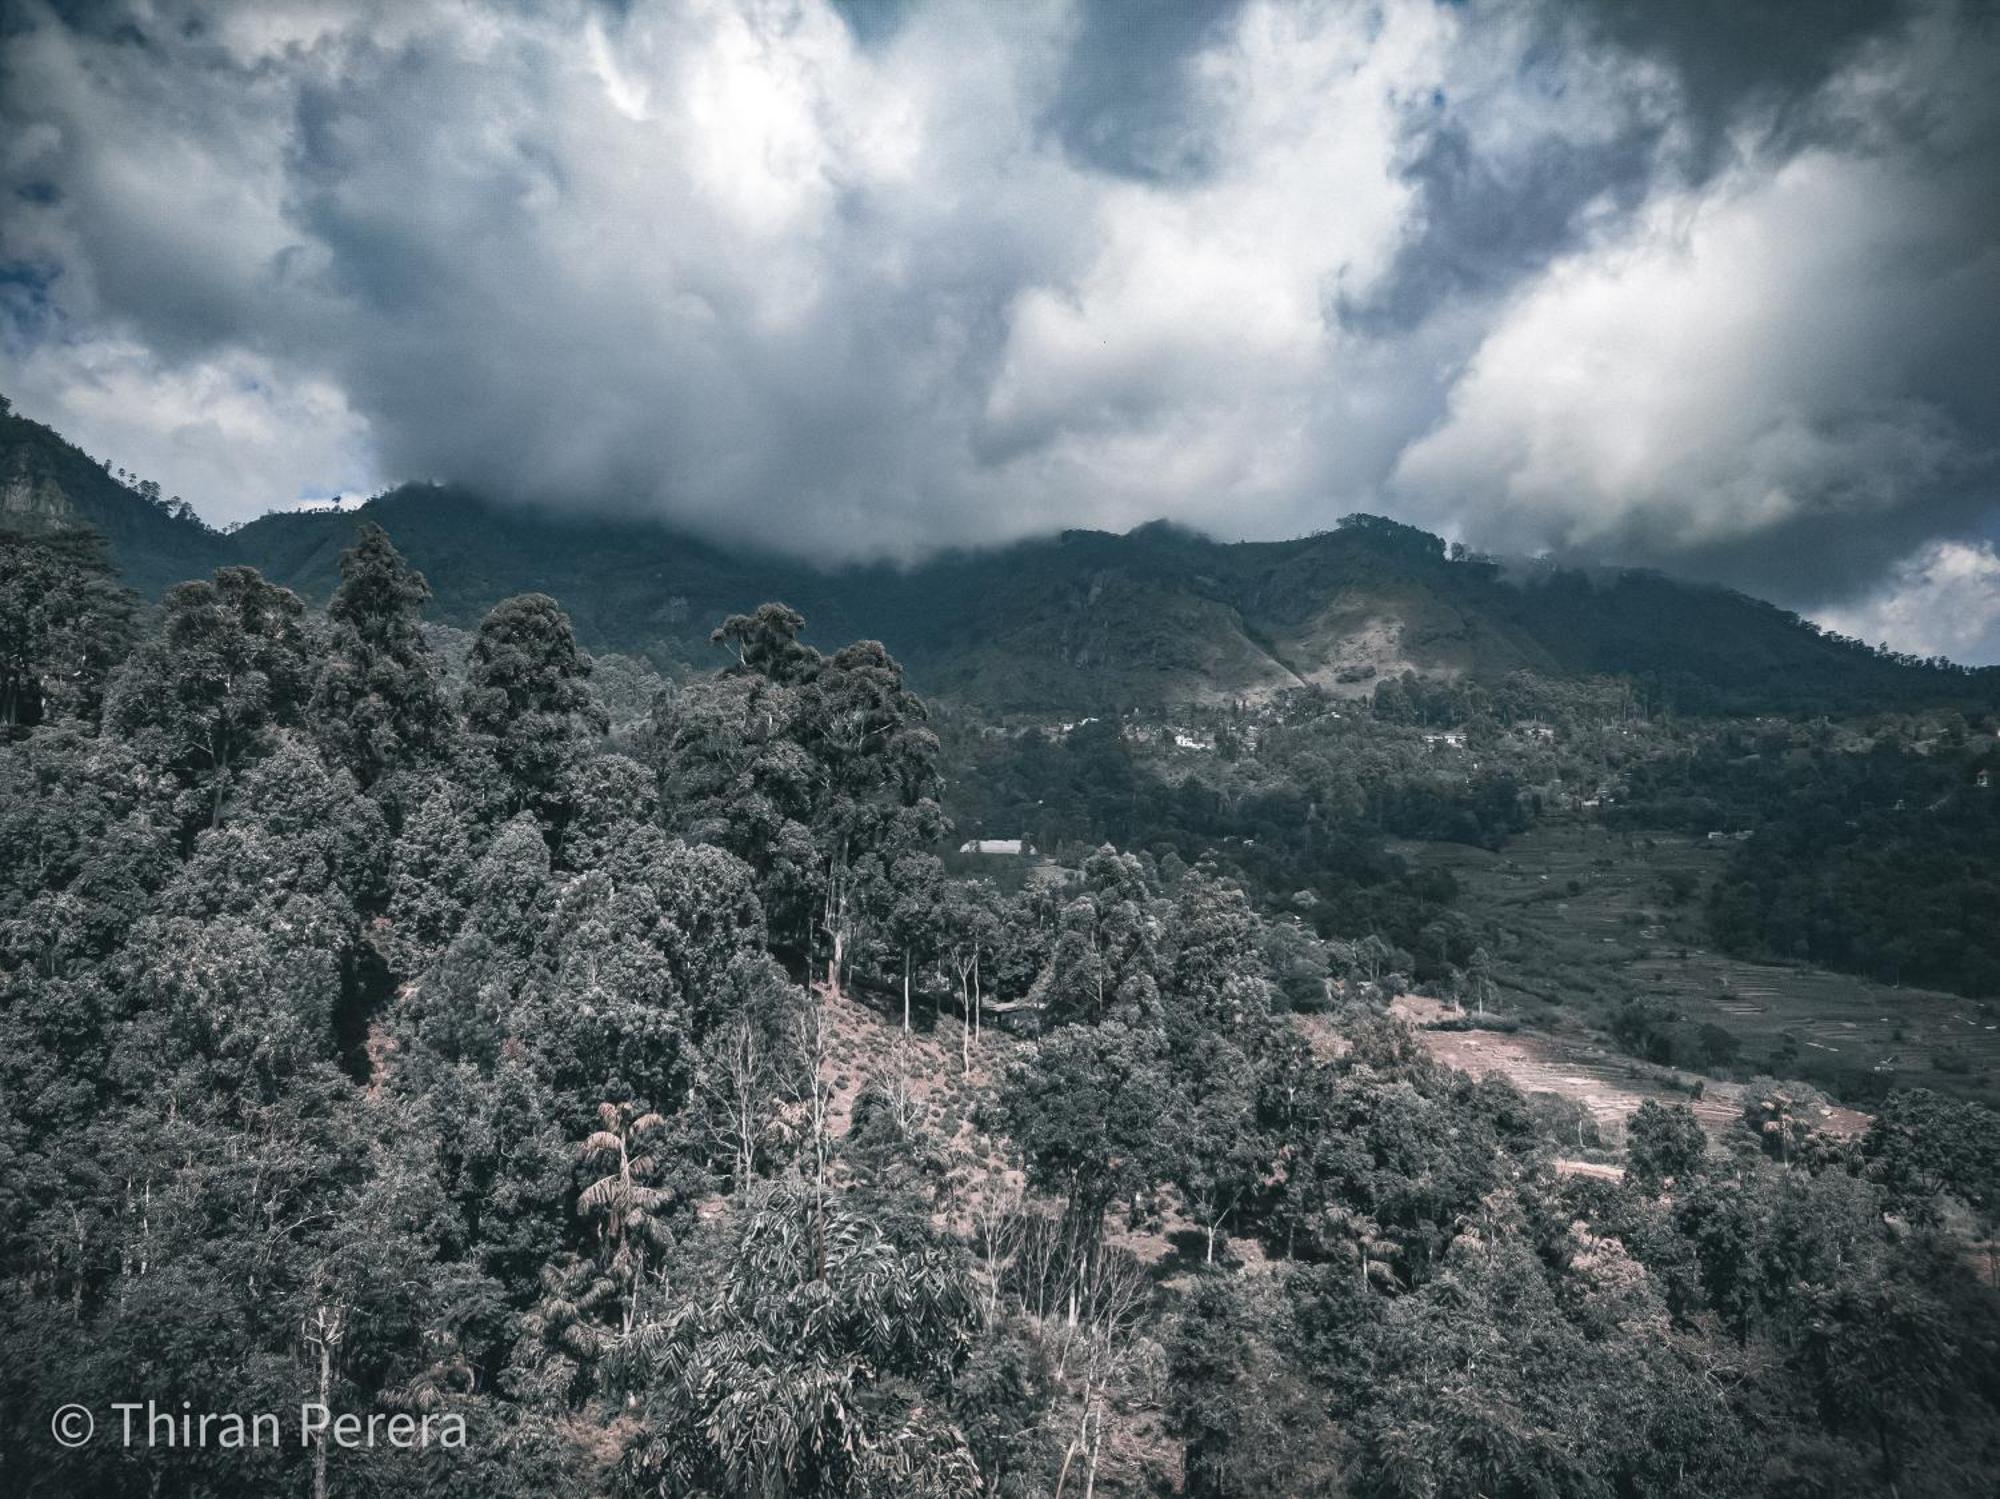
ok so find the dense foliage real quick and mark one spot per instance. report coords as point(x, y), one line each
point(1880, 857)
point(386, 1030)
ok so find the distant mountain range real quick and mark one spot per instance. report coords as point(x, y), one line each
point(1083, 621)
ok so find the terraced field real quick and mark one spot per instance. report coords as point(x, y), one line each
point(1587, 920)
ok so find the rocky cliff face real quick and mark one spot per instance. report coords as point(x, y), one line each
point(47, 484)
point(30, 501)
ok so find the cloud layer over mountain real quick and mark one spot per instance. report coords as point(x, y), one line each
point(1711, 286)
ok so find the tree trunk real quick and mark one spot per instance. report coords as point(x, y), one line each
point(325, 1405)
point(82, 1256)
point(834, 919)
point(1069, 1456)
point(221, 780)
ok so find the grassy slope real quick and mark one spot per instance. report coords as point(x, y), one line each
point(1575, 958)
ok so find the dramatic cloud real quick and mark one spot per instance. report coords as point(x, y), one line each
point(1739, 374)
point(1944, 601)
point(1712, 287)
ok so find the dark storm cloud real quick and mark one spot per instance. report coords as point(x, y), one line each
point(1738, 60)
point(1786, 385)
point(1129, 101)
point(1711, 287)
point(1490, 210)
point(1483, 223)
point(873, 21)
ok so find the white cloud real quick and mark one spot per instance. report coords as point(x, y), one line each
point(1943, 601)
point(724, 262)
point(1184, 366)
point(1725, 366)
point(230, 429)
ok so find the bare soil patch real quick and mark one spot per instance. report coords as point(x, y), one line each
point(1608, 1084)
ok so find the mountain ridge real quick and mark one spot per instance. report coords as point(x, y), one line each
point(1083, 620)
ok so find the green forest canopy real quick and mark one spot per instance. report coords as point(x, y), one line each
point(394, 1037)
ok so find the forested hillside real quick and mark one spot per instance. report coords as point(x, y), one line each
point(1084, 622)
point(1091, 621)
point(47, 485)
point(1880, 857)
point(651, 1110)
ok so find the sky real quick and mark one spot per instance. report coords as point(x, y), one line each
point(1712, 286)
